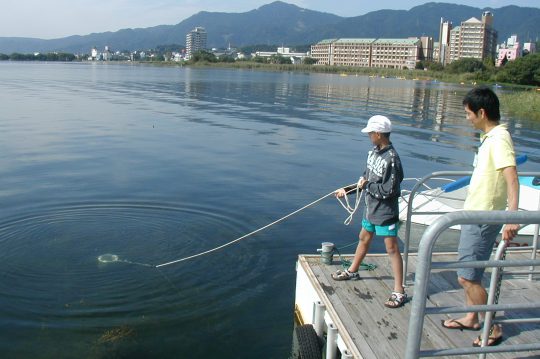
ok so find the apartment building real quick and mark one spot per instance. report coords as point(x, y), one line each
point(195, 41)
point(508, 51)
point(323, 52)
point(474, 39)
point(385, 53)
point(351, 52)
point(428, 47)
point(396, 53)
point(444, 41)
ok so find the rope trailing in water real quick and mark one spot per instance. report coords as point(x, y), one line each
point(245, 235)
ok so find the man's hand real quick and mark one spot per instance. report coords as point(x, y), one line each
point(512, 189)
point(509, 231)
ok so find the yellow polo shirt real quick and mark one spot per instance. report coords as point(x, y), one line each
point(487, 190)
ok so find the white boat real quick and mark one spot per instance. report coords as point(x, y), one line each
point(430, 203)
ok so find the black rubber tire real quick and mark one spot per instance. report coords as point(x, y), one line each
point(308, 342)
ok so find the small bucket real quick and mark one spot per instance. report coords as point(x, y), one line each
point(327, 252)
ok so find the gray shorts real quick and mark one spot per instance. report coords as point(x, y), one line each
point(476, 244)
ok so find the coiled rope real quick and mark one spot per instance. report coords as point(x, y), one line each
point(346, 205)
point(347, 263)
point(357, 201)
point(351, 210)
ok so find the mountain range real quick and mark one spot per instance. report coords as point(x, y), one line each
point(280, 23)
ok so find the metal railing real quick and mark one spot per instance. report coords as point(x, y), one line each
point(423, 272)
point(410, 212)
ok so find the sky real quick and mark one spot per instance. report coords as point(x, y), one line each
point(50, 19)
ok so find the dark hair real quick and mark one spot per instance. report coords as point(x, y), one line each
point(385, 134)
point(483, 98)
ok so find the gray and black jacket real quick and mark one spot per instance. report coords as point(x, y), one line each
point(384, 174)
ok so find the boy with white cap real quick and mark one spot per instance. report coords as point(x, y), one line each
point(381, 184)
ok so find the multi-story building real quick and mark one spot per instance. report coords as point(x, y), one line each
point(395, 53)
point(323, 51)
point(474, 39)
point(195, 41)
point(529, 47)
point(453, 48)
point(388, 53)
point(508, 51)
point(444, 41)
point(427, 48)
point(352, 52)
point(296, 57)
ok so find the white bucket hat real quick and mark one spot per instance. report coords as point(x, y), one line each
point(378, 123)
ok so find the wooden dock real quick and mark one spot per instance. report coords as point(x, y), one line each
point(370, 330)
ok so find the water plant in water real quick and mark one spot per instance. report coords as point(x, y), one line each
point(524, 104)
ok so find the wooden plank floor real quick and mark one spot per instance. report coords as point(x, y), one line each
point(380, 332)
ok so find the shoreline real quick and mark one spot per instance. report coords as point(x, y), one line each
point(518, 100)
point(521, 100)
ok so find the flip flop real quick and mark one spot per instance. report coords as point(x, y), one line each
point(492, 341)
point(459, 326)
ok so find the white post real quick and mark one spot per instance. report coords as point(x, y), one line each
point(331, 341)
point(318, 318)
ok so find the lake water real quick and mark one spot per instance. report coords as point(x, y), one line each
point(155, 164)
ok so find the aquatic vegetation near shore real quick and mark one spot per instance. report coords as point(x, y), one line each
point(116, 343)
point(525, 104)
point(116, 334)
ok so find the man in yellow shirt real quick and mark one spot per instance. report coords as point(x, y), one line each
point(494, 186)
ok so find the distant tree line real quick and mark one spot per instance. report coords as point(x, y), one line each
point(51, 56)
point(207, 56)
point(523, 71)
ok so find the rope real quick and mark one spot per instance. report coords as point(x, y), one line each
point(347, 206)
point(347, 263)
point(351, 210)
point(245, 235)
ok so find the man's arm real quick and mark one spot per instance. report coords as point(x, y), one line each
point(512, 189)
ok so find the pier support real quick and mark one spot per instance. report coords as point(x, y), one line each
point(318, 318)
point(331, 342)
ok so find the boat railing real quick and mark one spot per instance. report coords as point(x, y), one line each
point(411, 211)
point(422, 278)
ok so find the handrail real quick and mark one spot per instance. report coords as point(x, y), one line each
point(423, 272)
point(494, 291)
point(411, 212)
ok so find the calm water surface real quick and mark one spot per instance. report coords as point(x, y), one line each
point(155, 164)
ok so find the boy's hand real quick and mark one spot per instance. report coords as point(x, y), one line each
point(340, 192)
point(362, 182)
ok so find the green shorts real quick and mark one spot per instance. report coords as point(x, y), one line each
point(387, 231)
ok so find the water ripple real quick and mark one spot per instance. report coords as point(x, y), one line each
point(51, 272)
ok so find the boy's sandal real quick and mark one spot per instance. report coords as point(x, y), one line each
point(396, 300)
point(345, 275)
